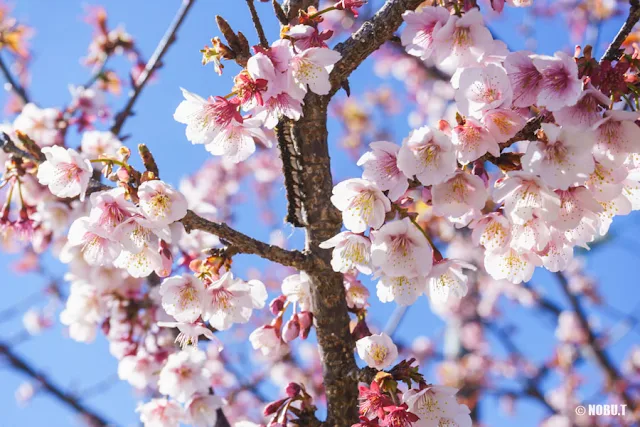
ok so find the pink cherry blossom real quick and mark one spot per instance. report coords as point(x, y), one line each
point(190, 332)
point(417, 36)
point(482, 89)
point(461, 41)
point(161, 203)
point(183, 297)
point(140, 370)
point(493, 231)
point(161, 412)
point(606, 183)
point(311, 68)
point(381, 167)
point(40, 124)
point(110, 209)
point(560, 86)
point(229, 300)
point(297, 289)
point(266, 339)
point(98, 144)
point(472, 140)
point(432, 404)
point(525, 195)
point(511, 265)
point(586, 112)
point(562, 159)
point(575, 204)
point(202, 410)
point(351, 251)
point(401, 289)
point(459, 195)
point(400, 249)
point(65, 172)
point(617, 136)
point(525, 78)
point(184, 375)
point(237, 141)
point(447, 279)
point(378, 351)
point(428, 154)
point(362, 204)
point(95, 246)
point(503, 124)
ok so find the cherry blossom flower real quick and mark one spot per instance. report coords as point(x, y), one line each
point(161, 412)
point(372, 401)
point(398, 416)
point(297, 289)
point(560, 86)
point(511, 265)
point(606, 183)
point(459, 195)
point(282, 98)
point(472, 140)
point(184, 374)
point(532, 235)
point(229, 300)
point(493, 231)
point(432, 404)
point(417, 35)
point(351, 251)
point(110, 209)
point(525, 195)
point(446, 278)
point(84, 310)
point(311, 68)
point(65, 172)
point(401, 289)
point(266, 339)
point(237, 141)
point(306, 36)
point(362, 204)
point(562, 158)
point(575, 204)
point(141, 263)
point(202, 410)
point(586, 112)
point(140, 369)
point(429, 155)
point(461, 41)
point(525, 78)
point(482, 89)
point(40, 124)
point(558, 253)
point(378, 351)
point(503, 124)
point(190, 334)
point(183, 297)
point(206, 118)
point(617, 136)
point(95, 246)
point(355, 292)
point(381, 167)
point(400, 249)
point(161, 203)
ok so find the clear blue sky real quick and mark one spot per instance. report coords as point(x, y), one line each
point(59, 43)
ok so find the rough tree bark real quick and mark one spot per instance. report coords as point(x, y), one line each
point(322, 220)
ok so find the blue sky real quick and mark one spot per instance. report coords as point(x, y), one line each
point(59, 43)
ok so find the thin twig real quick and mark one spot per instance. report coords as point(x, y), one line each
point(613, 51)
point(15, 86)
point(65, 397)
point(600, 354)
point(256, 23)
point(154, 62)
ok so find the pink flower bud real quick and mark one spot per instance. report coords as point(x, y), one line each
point(305, 319)
point(293, 389)
point(291, 329)
point(277, 305)
point(351, 5)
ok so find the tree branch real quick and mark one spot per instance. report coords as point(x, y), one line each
point(68, 399)
point(242, 243)
point(600, 354)
point(153, 63)
point(14, 85)
point(613, 52)
point(256, 23)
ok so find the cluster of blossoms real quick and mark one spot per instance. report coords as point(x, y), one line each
point(271, 87)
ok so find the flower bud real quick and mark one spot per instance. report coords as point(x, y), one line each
point(291, 329)
point(272, 407)
point(305, 319)
point(293, 389)
point(277, 305)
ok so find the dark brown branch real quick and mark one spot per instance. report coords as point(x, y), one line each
point(65, 397)
point(613, 52)
point(242, 243)
point(257, 24)
point(153, 63)
point(601, 356)
point(14, 85)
